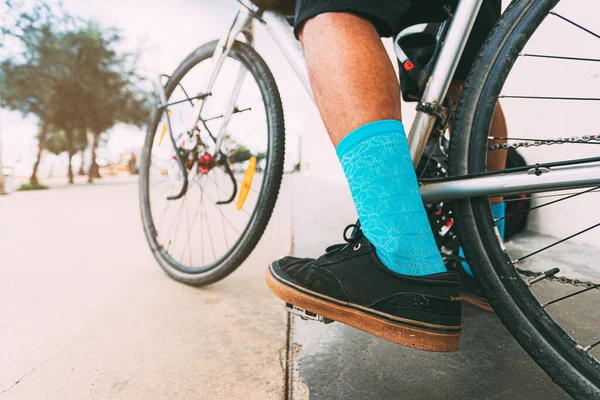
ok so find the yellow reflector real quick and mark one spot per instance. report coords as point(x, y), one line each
point(164, 129)
point(246, 183)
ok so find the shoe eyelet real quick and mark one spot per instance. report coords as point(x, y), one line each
point(357, 247)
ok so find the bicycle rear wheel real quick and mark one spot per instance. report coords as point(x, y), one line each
point(565, 351)
point(206, 234)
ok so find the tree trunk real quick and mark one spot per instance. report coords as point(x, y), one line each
point(33, 180)
point(69, 134)
point(2, 184)
point(94, 171)
point(81, 170)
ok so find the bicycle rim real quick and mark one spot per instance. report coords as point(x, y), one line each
point(209, 181)
point(563, 353)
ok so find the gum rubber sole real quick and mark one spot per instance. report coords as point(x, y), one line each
point(477, 302)
point(409, 336)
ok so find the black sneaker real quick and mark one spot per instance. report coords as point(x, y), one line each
point(349, 284)
point(471, 290)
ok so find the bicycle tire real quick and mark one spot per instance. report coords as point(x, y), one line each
point(259, 220)
point(540, 336)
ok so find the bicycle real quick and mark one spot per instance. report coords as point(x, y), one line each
point(215, 163)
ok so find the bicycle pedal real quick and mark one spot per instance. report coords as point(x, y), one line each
point(306, 315)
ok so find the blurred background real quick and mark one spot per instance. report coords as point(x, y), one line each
point(140, 48)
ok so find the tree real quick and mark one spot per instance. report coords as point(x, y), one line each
point(56, 142)
point(118, 96)
point(26, 79)
point(27, 76)
point(69, 75)
point(100, 91)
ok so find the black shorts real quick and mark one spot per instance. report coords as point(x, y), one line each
point(391, 16)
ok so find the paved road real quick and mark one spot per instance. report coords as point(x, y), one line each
point(85, 311)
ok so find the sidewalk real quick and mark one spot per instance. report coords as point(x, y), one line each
point(86, 312)
point(338, 362)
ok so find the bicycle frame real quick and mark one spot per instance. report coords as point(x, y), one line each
point(541, 178)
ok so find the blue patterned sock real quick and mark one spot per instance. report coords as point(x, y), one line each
point(379, 170)
point(499, 211)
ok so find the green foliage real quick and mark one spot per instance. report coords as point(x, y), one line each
point(241, 154)
point(68, 73)
point(56, 142)
point(28, 186)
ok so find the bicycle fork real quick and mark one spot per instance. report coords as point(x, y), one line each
point(242, 24)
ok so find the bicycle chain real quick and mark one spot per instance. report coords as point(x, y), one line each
point(549, 142)
point(560, 279)
point(545, 142)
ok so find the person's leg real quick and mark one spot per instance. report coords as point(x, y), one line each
point(357, 93)
point(496, 159)
point(351, 74)
point(389, 279)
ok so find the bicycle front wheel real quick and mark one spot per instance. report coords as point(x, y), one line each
point(207, 233)
point(526, 64)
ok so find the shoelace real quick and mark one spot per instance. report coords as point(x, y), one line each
point(351, 241)
point(356, 234)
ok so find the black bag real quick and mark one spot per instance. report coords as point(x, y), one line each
point(286, 7)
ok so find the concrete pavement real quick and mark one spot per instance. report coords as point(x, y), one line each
point(86, 313)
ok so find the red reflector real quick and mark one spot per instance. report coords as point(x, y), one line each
point(408, 65)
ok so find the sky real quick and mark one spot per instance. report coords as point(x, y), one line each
point(166, 32)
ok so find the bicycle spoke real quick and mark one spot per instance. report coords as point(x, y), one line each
point(201, 219)
point(548, 204)
point(246, 136)
point(189, 239)
point(160, 182)
point(176, 232)
point(227, 219)
point(504, 96)
point(569, 296)
point(561, 57)
point(167, 205)
point(225, 193)
point(171, 229)
point(168, 236)
point(222, 219)
point(163, 193)
point(220, 211)
point(518, 260)
point(544, 196)
point(164, 211)
point(574, 24)
point(194, 218)
point(164, 215)
point(591, 346)
point(237, 111)
point(212, 245)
